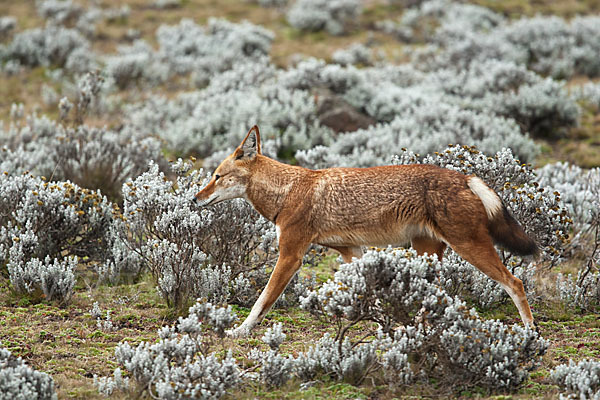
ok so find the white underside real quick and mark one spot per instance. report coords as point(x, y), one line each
point(399, 237)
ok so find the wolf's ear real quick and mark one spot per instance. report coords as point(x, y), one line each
point(250, 146)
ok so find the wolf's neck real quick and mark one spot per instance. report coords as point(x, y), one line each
point(270, 184)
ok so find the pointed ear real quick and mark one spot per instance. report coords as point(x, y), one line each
point(250, 146)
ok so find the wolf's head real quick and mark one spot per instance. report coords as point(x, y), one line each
point(231, 177)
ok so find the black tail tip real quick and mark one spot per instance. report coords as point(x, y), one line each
point(507, 232)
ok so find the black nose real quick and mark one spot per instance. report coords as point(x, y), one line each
point(194, 201)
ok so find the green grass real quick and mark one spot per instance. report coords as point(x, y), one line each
point(66, 343)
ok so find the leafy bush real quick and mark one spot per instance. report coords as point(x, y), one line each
point(7, 24)
point(581, 379)
point(438, 100)
point(46, 229)
point(95, 158)
point(50, 46)
point(20, 382)
point(355, 54)
point(425, 18)
point(423, 129)
point(397, 288)
point(275, 369)
point(191, 253)
point(580, 191)
point(178, 366)
point(540, 106)
point(59, 11)
point(589, 92)
point(212, 119)
point(340, 360)
point(189, 48)
point(336, 17)
point(463, 33)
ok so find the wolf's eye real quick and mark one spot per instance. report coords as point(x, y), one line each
point(217, 177)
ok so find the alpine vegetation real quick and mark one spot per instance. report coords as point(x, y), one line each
point(191, 253)
point(95, 158)
point(189, 48)
point(580, 192)
point(276, 369)
point(50, 46)
point(336, 17)
point(68, 149)
point(100, 234)
point(417, 320)
point(46, 229)
point(589, 93)
point(463, 33)
point(178, 366)
point(7, 24)
point(21, 382)
point(582, 380)
point(211, 119)
point(355, 54)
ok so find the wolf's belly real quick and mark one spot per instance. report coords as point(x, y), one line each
point(395, 236)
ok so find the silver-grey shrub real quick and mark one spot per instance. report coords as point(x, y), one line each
point(191, 252)
point(95, 158)
point(7, 24)
point(397, 288)
point(178, 366)
point(425, 18)
point(357, 53)
point(50, 46)
point(203, 51)
point(46, 228)
point(342, 361)
point(21, 382)
point(423, 129)
point(215, 118)
point(582, 380)
point(541, 106)
point(499, 103)
point(59, 11)
point(580, 191)
point(589, 93)
point(336, 17)
point(276, 369)
point(461, 34)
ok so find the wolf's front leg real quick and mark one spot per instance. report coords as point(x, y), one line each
point(289, 261)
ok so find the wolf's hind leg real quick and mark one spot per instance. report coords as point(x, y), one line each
point(482, 254)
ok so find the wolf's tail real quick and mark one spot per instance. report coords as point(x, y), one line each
point(503, 228)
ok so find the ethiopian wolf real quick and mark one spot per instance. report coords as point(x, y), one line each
point(346, 208)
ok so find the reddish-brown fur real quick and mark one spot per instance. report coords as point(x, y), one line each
point(345, 208)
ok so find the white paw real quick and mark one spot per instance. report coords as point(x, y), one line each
point(239, 332)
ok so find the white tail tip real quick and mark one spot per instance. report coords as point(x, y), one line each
point(489, 198)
